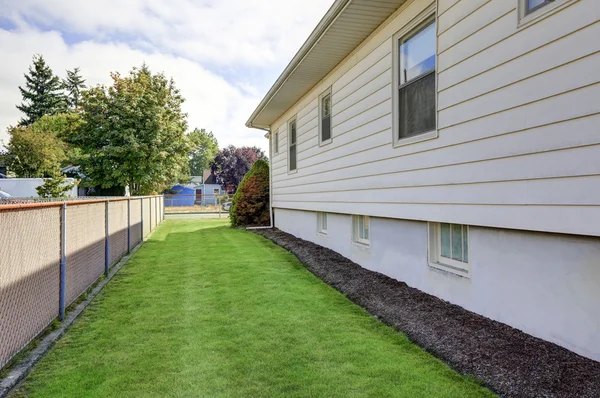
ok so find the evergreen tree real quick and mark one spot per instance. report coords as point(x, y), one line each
point(56, 186)
point(42, 93)
point(73, 85)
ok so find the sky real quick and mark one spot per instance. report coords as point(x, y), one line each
point(224, 55)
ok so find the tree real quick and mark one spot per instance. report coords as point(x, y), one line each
point(38, 150)
point(206, 148)
point(250, 204)
point(231, 163)
point(133, 133)
point(42, 93)
point(74, 84)
point(55, 187)
point(32, 154)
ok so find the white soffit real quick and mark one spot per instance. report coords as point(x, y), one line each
point(345, 26)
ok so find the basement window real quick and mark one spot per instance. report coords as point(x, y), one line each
point(361, 230)
point(449, 248)
point(322, 223)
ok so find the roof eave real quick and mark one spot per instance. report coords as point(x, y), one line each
point(333, 12)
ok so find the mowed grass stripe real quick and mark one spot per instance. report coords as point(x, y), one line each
point(203, 310)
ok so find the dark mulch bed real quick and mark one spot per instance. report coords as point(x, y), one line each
point(508, 361)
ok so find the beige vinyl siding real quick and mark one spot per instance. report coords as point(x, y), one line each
point(518, 117)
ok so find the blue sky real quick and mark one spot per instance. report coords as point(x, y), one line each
point(223, 54)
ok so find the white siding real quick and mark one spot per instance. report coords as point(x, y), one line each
point(518, 114)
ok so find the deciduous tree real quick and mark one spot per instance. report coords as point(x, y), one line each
point(205, 149)
point(37, 150)
point(231, 164)
point(133, 133)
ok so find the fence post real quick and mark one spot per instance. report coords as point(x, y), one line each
point(63, 261)
point(142, 218)
point(150, 213)
point(106, 240)
point(128, 225)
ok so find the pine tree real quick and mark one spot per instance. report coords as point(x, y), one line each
point(73, 85)
point(42, 93)
point(56, 186)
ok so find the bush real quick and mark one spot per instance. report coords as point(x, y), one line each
point(250, 204)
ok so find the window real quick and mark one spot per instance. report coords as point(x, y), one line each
point(361, 233)
point(531, 10)
point(292, 140)
point(276, 142)
point(322, 223)
point(533, 5)
point(216, 191)
point(325, 117)
point(415, 109)
point(449, 247)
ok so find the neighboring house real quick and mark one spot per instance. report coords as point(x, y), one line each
point(453, 145)
point(203, 190)
point(26, 187)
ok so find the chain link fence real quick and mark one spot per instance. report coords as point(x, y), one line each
point(51, 252)
point(198, 203)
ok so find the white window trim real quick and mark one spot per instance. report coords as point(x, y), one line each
point(355, 233)
point(323, 95)
point(443, 263)
point(276, 142)
point(525, 19)
point(423, 18)
point(289, 144)
point(320, 229)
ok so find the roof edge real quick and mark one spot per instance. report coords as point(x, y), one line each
point(331, 15)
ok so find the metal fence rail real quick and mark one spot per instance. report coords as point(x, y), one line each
point(52, 252)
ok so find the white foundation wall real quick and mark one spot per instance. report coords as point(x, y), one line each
point(547, 285)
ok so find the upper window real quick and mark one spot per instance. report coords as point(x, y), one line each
point(361, 230)
point(449, 247)
point(276, 142)
point(322, 223)
point(216, 191)
point(415, 116)
point(325, 117)
point(533, 5)
point(533, 10)
point(292, 137)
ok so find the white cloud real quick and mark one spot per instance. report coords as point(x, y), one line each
point(223, 54)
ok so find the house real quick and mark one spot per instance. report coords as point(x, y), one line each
point(453, 145)
point(26, 187)
point(202, 190)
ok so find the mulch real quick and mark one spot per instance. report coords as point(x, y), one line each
point(508, 361)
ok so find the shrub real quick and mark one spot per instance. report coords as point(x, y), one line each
point(250, 204)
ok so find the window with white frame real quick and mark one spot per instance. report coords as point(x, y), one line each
point(530, 10)
point(276, 142)
point(292, 137)
point(361, 230)
point(322, 223)
point(325, 117)
point(449, 247)
point(415, 104)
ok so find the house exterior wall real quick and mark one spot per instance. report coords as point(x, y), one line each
point(547, 285)
point(25, 187)
point(517, 142)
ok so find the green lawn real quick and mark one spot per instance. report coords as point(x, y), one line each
point(205, 310)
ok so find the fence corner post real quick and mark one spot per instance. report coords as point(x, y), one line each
point(106, 240)
point(63, 262)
